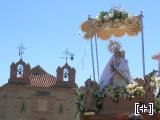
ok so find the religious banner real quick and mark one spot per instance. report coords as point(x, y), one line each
point(115, 22)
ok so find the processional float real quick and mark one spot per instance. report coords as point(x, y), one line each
point(115, 22)
point(114, 101)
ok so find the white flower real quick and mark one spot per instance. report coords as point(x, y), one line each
point(106, 17)
point(140, 88)
point(131, 92)
point(132, 97)
point(110, 15)
point(97, 17)
point(132, 85)
point(129, 15)
point(152, 84)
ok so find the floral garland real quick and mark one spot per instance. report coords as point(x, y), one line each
point(128, 92)
point(113, 14)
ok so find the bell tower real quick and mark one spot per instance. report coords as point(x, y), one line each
point(20, 71)
point(65, 76)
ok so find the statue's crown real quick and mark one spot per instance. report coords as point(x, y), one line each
point(114, 46)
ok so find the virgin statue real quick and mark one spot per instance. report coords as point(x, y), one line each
point(116, 72)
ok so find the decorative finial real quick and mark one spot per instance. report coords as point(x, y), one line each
point(21, 50)
point(68, 55)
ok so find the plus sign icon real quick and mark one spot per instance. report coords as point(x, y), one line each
point(143, 108)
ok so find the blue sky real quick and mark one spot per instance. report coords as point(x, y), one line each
point(47, 27)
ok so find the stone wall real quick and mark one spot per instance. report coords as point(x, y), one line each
point(26, 103)
point(2, 108)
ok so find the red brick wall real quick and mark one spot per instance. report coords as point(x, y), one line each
point(123, 106)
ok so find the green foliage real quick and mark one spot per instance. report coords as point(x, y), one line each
point(101, 15)
point(80, 104)
point(113, 14)
point(98, 96)
point(153, 73)
point(125, 92)
point(23, 108)
point(61, 108)
point(157, 104)
point(78, 116)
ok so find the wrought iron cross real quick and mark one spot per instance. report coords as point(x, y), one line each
point(68, 55)
point(21, 50)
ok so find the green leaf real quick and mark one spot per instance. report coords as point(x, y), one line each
point(23, 108)
point(61, 108)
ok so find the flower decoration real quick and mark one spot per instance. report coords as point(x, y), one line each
point(128, 92)
point(113, 14)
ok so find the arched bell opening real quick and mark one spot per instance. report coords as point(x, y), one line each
point(20, 71)
point(65, 74)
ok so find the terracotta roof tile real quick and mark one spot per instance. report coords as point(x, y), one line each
point(42, 80)
point(38, 70)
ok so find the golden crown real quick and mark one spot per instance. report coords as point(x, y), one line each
point(114, 46)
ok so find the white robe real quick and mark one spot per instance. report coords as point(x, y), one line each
point(110, 77)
